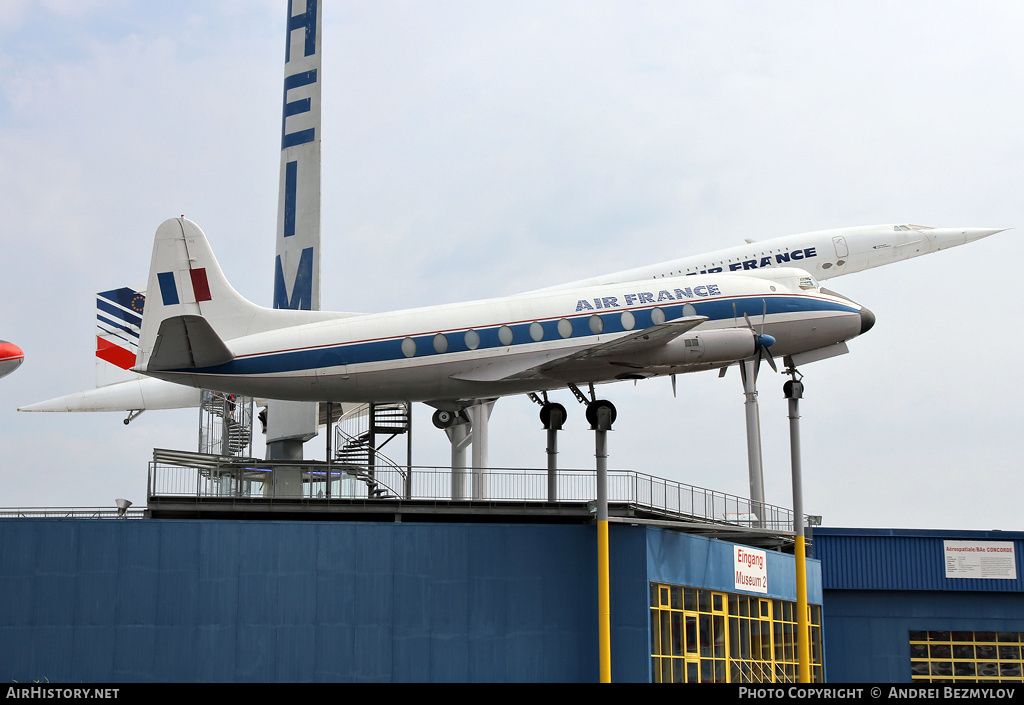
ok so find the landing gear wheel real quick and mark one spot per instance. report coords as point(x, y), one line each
point(546, 415)
point(594, 406)
point(444, 419)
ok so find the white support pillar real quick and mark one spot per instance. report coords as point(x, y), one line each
point(748, 369)
point(459, 436)
point(479, 417)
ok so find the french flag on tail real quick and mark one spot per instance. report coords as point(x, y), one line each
point(169, 289)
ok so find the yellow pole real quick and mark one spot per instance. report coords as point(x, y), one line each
point(601, 415)
point(604, 603)
point(803, 626)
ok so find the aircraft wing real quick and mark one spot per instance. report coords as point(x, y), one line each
point(638, 341)
point(539, 364)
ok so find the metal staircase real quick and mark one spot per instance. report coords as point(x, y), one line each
point(225, 424)
point(358, 449)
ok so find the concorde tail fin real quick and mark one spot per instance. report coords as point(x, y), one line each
point(118, 323)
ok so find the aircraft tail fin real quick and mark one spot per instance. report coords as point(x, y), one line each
point(118, 324)
point(192, 311)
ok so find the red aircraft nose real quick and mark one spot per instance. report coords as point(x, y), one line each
point(11, 357)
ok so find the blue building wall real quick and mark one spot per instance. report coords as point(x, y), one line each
point(710, 564)
point(123, 601)
point(161, 600)
point(881, 584)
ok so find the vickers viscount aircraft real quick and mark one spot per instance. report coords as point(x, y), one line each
point(198, 331)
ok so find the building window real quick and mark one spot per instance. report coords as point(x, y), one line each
point(966, 657)
point(718, 637)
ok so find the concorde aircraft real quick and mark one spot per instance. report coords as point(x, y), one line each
point(825, 254)
point(198, 331)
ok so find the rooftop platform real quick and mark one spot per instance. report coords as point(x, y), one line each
point(185, 485)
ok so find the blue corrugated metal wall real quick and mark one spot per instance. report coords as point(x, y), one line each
point(880, 584)
point(904, 559)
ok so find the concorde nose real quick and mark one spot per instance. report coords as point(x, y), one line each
point(941, 238)
point(978, 233)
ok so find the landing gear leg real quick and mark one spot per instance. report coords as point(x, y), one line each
point(552, 416)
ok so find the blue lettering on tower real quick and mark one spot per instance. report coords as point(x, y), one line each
point(302, 287)
point(296, 107)
point(306, 20)
point(291, 177)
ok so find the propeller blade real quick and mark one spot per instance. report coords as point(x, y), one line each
point(673, 386)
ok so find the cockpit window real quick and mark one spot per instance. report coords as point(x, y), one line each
point(808, 282)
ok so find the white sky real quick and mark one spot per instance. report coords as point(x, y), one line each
point(475, 149)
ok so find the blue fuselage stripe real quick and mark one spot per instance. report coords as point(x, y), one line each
point(391, 348)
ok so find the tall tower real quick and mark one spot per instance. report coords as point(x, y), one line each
point(297, 263)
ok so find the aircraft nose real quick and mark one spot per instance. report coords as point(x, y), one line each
point(10, 351)
point(867, 320)
point(973, 234)
point(941, 238)
point(11, 357)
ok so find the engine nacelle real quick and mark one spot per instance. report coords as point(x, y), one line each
point(701, 347)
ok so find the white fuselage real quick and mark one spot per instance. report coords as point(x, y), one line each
point(824, 253)
point(528, 342)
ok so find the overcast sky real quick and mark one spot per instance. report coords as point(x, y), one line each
point(474, 149)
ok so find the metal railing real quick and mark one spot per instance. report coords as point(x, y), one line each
point(251, 480)
point(68, 513)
